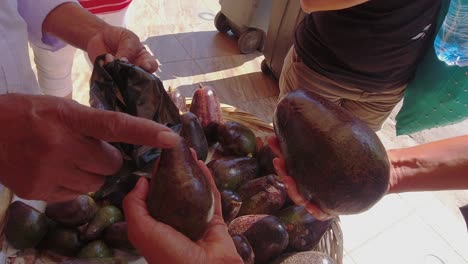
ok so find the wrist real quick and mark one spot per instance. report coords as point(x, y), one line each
point(73, 24)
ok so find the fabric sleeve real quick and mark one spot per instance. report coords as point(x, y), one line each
point(34, 13)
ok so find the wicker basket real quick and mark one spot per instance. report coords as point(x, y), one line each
point(331, 242)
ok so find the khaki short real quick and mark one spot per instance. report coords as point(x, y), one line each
point(371, 107)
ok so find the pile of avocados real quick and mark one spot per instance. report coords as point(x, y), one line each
point(338, 163)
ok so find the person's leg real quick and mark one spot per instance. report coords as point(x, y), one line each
point(374, 108)
point(54, 70)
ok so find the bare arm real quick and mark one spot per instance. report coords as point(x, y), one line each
point(78, 27)
point(440, 165)
point(74, 24)
point(325, 5)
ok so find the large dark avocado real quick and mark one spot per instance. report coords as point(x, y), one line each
point(25, 226)
point(337, 161)
point(180, 194)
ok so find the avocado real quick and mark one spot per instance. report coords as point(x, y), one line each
point(244, 249)
point(237, 139)
point(109, 260)
point(304, 231)
point(25, 226)
point(265, 158)
point(309, 257)
point(177, 98)
point(180, 194)
point(337, 161)
point(193, 134)
point(63, 241)
point(264, 195)
point(104, 218)
point(266, 234)
point(116, 236)
point(229, 172)
point(96, 249)
point(205, 105)
point(231, 204)
point(74, 212)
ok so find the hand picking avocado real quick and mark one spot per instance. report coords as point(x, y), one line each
point(337, 161)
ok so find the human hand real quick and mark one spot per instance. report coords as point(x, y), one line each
point(122, 44)
point(160, 243)
point(54, 149)
point(290, 183)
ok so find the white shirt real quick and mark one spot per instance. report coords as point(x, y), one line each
point(20, 19)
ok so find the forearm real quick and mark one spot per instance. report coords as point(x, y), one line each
point(73, 24)
point(325, 5)
point(440, 165)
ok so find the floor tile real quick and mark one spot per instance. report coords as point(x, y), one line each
point(410, 241)
point(347, 259)
point(166, 48)
point(262, 108)
point(183, 75)
point(358, 229)
point(238, 78)
point(448, 222)
point(207, 44)
point(186, 12)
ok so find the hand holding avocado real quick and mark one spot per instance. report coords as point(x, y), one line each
point(160, 243)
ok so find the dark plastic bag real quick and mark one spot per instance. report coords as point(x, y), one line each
point(122, 87)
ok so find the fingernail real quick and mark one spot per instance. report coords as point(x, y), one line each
point(275, 163)
point(109, 58)
point(124, 59)
point(168, 139)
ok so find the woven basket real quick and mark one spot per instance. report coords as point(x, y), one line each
point(331, 242)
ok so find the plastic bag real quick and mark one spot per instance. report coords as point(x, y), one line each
point(122, 87)
point(437, 96)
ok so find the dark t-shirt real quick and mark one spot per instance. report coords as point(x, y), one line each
point(372, 46)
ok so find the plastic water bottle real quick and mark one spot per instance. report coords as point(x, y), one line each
point(451, 43)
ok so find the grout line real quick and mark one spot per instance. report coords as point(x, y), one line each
point(441, 236)
point(396, 222)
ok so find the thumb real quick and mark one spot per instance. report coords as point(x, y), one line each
point(156, 241)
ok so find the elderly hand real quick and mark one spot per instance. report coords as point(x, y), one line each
point(160, 243)
point(54, 149)
point(123, 44)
